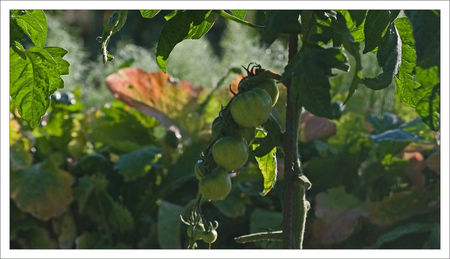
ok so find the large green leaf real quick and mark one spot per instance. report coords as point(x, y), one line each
point(376, 24)
point(169, 225)
point(184, 25)
point(137, 163)
point(42, 190)
point(280, 21)
point(35, 74)
point(33, 23)
point(426, 30)
point(389, 58)
point(309, 72)
point(149, 13)
point(239, 13)
point(422, 94)
point(355, 20)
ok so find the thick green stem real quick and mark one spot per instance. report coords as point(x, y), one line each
point(292, 193)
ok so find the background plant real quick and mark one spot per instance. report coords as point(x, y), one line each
point(382, 162)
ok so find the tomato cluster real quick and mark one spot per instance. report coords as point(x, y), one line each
point(233, 130)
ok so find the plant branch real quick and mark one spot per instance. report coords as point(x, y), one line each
point(261, 236)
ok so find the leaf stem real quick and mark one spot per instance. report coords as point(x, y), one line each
point(261, 236)
point(234, 18)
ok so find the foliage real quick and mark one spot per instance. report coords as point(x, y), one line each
point(119, 176)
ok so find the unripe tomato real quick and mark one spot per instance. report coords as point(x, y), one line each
point(215, 186)
point(251, 108)
point(230, 153)
point(210, 236)
point(271, 88)
point(198, 171)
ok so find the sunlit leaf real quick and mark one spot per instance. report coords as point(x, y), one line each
point(35, 74)
point(239, 13)
point(149, 13)
point(33, 23)
point(158, 95)
point(169, 225)
point(42, 190)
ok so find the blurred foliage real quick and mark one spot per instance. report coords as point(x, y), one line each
point(100, 174)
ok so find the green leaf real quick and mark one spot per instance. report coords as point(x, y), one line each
point(389, 57)
point(137, 163)
point(355, 20)
point(309, 72)
point(402, 231)
point(239, 13)
point(42, 190)
point(268, 166)
point(376, 24)
point(33, 23)
point(35, 74)
point(169, 225)
point(426, 29)
point(280, 21)
point(149, 13)
point(429, 108)
point(39, 238)
point(184, 25)
point(406, 86)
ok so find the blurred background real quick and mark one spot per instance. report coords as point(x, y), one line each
point(100, 174)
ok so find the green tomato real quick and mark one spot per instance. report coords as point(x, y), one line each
point(210, 236)
point(215, 186)
point(230, 153)
point(251, 108)
point(271, 88)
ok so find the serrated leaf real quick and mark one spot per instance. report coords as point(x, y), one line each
point(137, 163)
point(389, 57)
point(377, 22)
point(267, 164)
point(426, 29)
point(34, 77)
point(429, 108)
point(239, 13)
point(355, 20)
point(42, 190)
point(184, 25)
point(169, 225)
point(33, 23)
point(309, 72)
point(149, 13)
point(280, 21)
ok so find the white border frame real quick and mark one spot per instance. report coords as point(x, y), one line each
point(144, 253)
